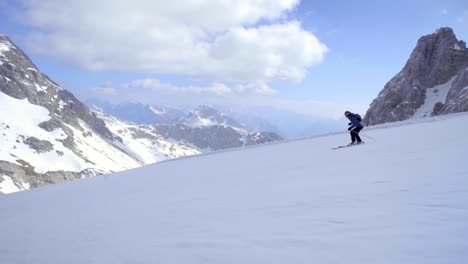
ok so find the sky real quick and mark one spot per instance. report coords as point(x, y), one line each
point(316, 58)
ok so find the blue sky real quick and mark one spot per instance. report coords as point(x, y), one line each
point(367, 42)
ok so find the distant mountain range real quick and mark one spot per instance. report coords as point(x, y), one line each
point(284, 123)
point(138, 113)
point(204, 127)
point(48, 136)
point(434, 81)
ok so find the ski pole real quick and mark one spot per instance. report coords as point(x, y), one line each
point(364, 134)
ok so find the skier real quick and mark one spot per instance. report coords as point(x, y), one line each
point(355, 127)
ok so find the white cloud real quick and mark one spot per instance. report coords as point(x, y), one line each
point(157, 86)
point(219, 89)
point(280, 52)
point(104, 91)
point(260, 88)
point(237, 40)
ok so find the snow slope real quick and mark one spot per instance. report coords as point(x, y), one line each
point(401, 199)
point(434, 95)
point(24, 123)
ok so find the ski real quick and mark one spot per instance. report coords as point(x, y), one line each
point(338, 147)
point(346, 146)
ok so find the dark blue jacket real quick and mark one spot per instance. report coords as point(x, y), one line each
point(354, 122)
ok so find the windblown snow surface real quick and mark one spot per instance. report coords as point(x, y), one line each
point(400, 199)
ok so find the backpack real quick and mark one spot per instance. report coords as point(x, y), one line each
point(358, 117)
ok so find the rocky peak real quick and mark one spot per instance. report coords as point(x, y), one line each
point(437, 59)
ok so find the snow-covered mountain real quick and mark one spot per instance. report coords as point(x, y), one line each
point(284, 123)
point(204, 128)
point(215, 137)
point(387, 201)
point(434, 81)
point(48, 136)
point(145, 143)
point(208, 129)
point(208, 116)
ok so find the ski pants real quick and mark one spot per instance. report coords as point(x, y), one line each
point(355, 134)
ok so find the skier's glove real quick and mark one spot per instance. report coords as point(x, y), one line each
point(349, 128)
point(350, 124)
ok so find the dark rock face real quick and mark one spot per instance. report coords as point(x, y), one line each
point(50, 125)
point(262, 138)
point(25, 175)
point(214, 137)
point(437, 58)
point(457, 98)
point(40, 146)
point(437, 108)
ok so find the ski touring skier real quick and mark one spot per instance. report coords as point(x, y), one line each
point(354, 127)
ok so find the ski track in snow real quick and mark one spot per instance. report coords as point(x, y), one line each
point(401, 199)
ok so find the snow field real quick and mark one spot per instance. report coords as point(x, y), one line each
point(400, 199)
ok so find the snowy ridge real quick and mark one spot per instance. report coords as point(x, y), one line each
point(391, 201)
